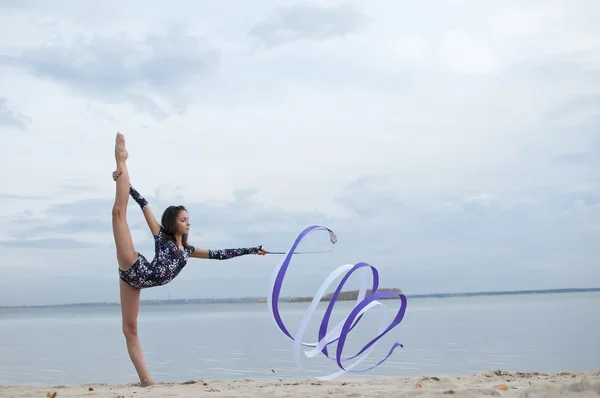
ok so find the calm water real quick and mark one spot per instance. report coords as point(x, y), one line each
point(549, 332)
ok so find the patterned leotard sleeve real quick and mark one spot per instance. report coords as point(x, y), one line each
point(225, 254)
point(160, 235)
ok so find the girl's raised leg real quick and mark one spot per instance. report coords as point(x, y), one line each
point(126, 254)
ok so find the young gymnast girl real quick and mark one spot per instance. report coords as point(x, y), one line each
point(171, 252)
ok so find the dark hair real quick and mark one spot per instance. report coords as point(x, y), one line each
point(169, 224)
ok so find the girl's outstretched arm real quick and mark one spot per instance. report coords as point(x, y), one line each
point(226, 254)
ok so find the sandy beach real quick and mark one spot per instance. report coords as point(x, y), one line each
point(488, 384)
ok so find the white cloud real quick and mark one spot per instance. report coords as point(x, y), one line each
point(456, 141)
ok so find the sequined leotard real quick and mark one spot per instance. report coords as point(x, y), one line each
point(168, 262)
point(169, 259)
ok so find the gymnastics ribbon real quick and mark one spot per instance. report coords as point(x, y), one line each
point(339, 332)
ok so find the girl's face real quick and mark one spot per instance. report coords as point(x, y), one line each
point(183, 222)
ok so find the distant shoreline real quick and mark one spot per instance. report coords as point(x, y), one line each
point(348, 295)
point(262, 300)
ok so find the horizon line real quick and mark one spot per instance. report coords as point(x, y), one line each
point(286, 299)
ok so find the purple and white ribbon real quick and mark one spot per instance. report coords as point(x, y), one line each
point(339, 332)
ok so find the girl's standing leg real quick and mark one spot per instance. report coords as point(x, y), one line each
point(130, 306)
point(126, 257)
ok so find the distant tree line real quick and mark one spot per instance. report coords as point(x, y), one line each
point(346, 295)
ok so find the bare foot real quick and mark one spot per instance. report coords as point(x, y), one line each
point(121, 153)
point(147, 383)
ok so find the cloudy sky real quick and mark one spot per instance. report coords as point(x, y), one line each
point(453, 145)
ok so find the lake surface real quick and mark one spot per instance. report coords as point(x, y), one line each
point(73, 345)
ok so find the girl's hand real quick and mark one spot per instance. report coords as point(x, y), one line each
point(116, 174)
point(262, 252)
